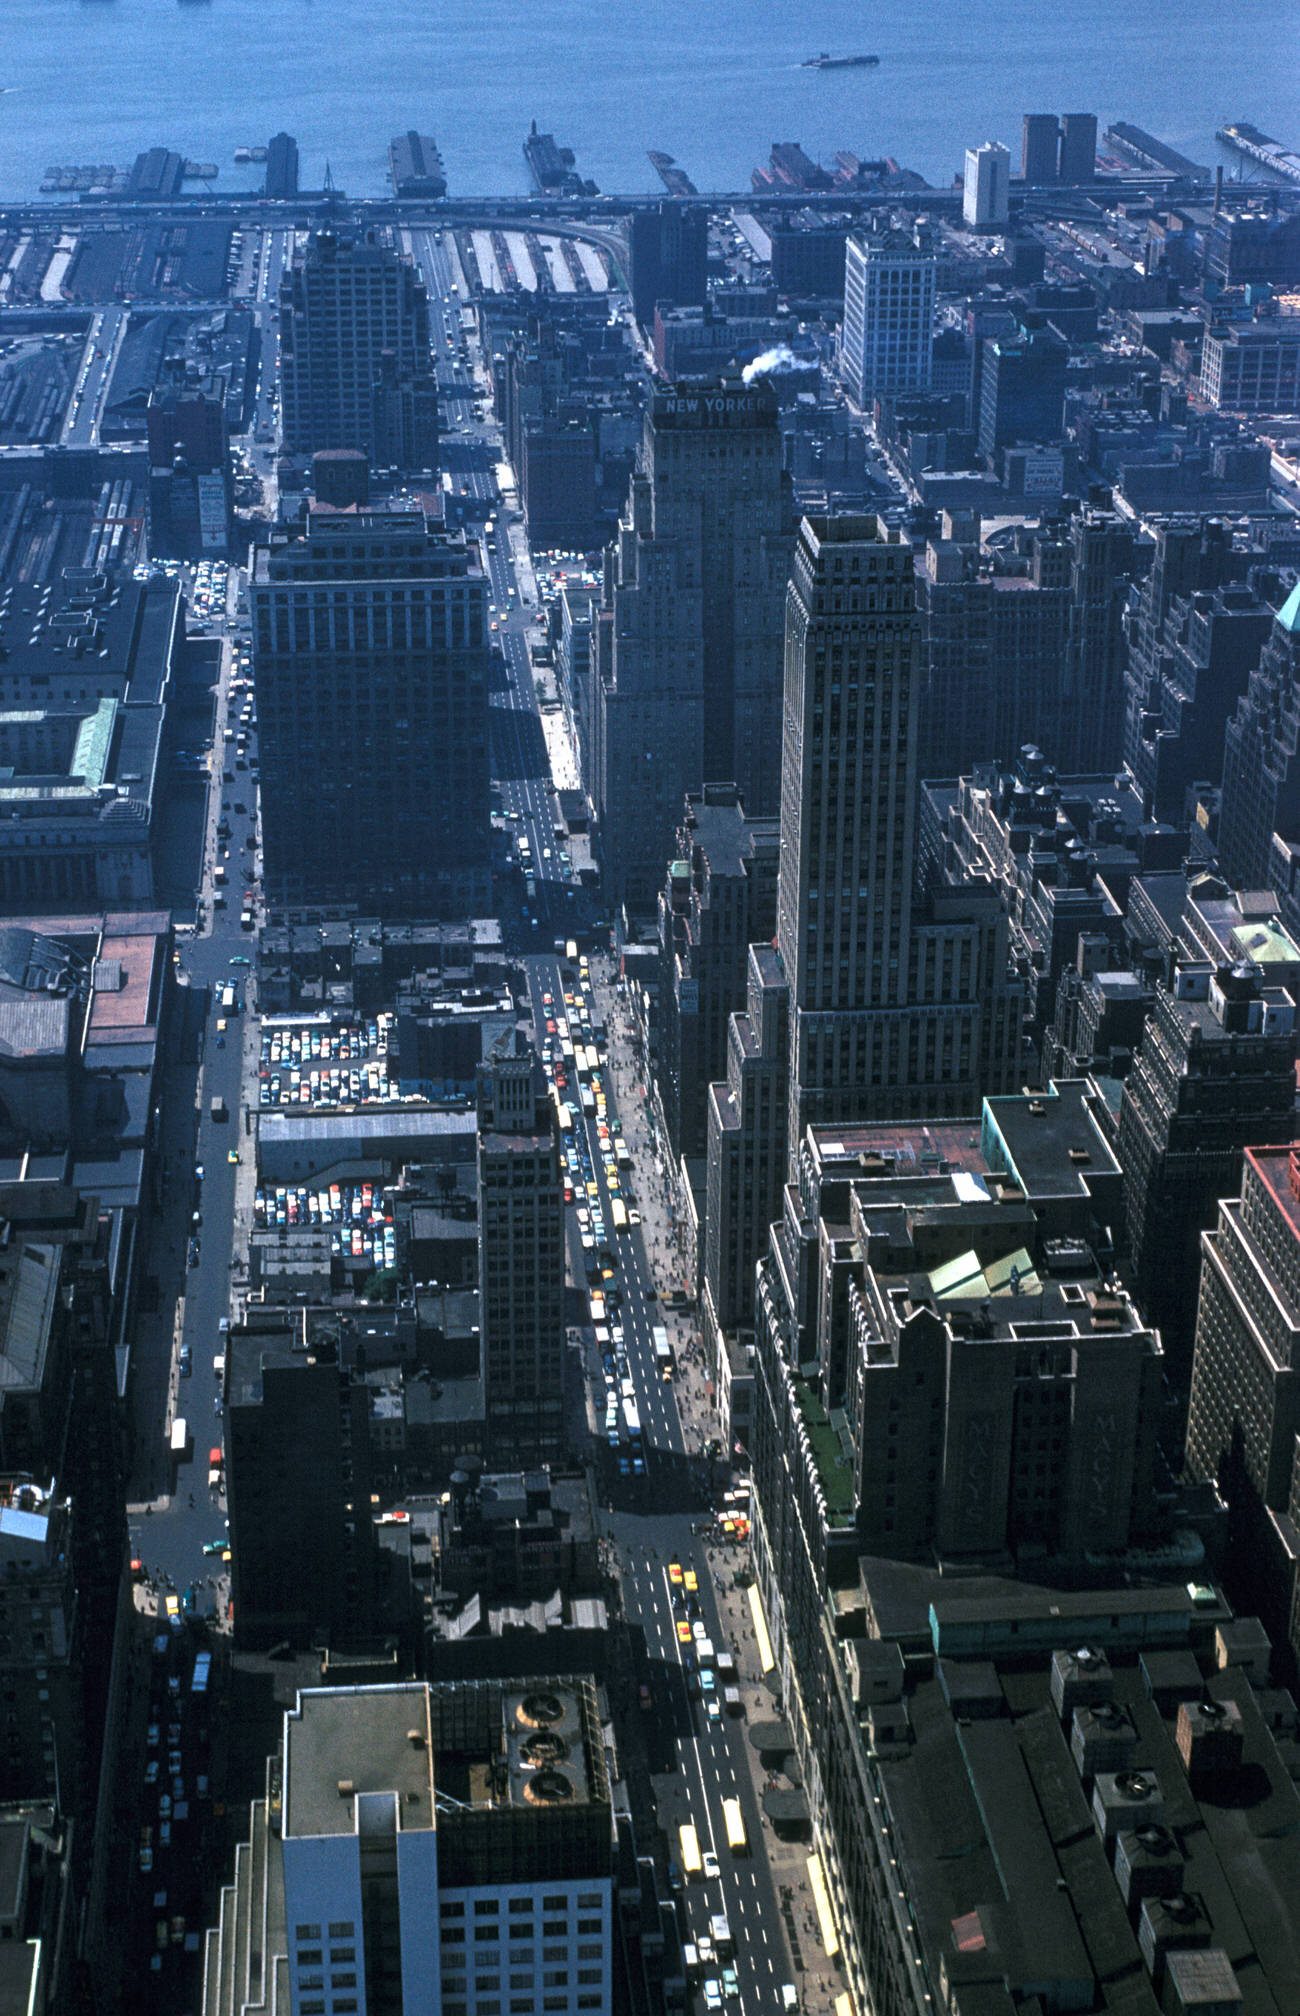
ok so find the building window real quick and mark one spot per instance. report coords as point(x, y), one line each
point(310, 1932)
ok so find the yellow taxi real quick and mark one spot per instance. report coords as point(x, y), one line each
point(675, 1574)
point(683, 1631)
point(692, 1583)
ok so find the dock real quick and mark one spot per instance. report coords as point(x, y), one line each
point(1148, 152)
point(1256, 146)
point(675, 180)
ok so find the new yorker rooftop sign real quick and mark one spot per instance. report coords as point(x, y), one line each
point(715, 408)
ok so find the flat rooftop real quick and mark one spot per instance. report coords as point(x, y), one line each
point(344, 1743)
point(1048, 1140)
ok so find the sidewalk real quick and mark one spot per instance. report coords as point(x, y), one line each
point(818, 1977)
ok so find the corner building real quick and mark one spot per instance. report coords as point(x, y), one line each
point(425, 1848)
point(370, 661)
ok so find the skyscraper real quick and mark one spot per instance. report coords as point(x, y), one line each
point(888, 332)
point(1244, 1418)
point(985, 187)
point(1078, 161)
point(668, 249)
point(897, 1003)
point(1040, 141)
point(345, 305)
point(696, 580)
point(521, 1260)
point(1215, 1072)
point(1194, 638)
point(1259, 828)
point(370, 659)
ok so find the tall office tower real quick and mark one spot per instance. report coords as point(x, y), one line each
point(1182, 682)
point(282, 167)
point(1259, 824)
point(344, 303)
point(1039, 145)
point(521, 1260)
point(1022, 388)
point(1102, 550)
point(418, 1843)
point(1215, 1073)
point(298, 1486)
point(1078, 158)
point(696, 583)
point(1243, 1424)
point(888, 331)
point(668, 250)
point(894, 999)
point(719, 897)
point(986, 187)
point(370, 660)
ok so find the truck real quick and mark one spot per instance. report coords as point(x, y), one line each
point(228, 1000)
point(632, 1420)
point(217, 1109)
point(179, 1438)
point(732, 1702)
point(726, 1665)
point(720, 1933)
point(704, 1651)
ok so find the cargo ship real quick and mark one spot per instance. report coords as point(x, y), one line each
point(824, 62)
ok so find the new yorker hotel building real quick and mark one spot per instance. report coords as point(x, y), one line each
point(371, 660)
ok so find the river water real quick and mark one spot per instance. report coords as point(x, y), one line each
point(713, 82)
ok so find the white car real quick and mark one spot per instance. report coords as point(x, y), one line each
point(712, 1867)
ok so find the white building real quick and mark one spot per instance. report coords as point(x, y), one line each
point(888, 332)
point(445, 1849)
point(986, 187)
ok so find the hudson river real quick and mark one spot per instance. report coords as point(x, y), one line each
point(712, 81)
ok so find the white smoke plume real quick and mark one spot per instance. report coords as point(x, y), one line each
point(780, 359)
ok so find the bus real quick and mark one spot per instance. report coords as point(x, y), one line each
point(734, 1821)
point(565, 1116)
point(179, 1437)
point(582, 1060)
point(632, 1420)
point(692, 1866)
point(618, 1214)
point(571, 950)
point(663, 1351)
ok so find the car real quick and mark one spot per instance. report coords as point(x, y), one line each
point(211, 1547)
point(232, 1154)
point(730, 1983)
point(151, 1736)
point(712, 1866)
point(698, 1629)
point(645, 1698)
point(675, 1573)
point(683, 1631)
point(713, 1993)
point(151, 1772)
point(712, 1708)
point(692, 1582)
point(173, 1605)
